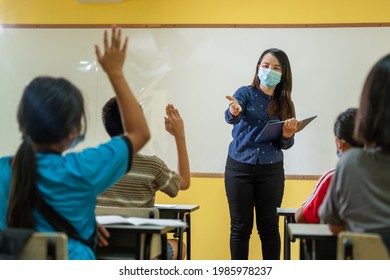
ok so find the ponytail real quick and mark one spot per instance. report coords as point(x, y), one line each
point(24, 192)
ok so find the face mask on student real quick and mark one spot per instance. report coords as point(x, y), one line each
point(339, 153)
point(269, 78)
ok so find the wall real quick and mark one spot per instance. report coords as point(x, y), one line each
point(211, 225)
point(194, 12)
point(194, 68)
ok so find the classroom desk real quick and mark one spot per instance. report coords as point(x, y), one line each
point(288, 214)
point(181, 212)
point(314, 239)
point(127, 237)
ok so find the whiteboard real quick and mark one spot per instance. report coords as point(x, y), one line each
point(194, 68)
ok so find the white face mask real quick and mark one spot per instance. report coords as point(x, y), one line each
point(269, 78)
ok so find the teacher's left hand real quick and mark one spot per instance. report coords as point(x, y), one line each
point(290, 126)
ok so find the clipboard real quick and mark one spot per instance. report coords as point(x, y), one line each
point(304, 123)
point(273, 129)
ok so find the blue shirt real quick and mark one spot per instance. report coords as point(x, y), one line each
point(248, 124)
point(70, 183)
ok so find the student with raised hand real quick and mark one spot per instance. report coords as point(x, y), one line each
point(359, 197)
point(343, 131)
point(148, 174)
point(42, 188)
point(254, 172)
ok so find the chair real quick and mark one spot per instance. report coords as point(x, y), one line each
point(45, 246)
point(361, 246)
point(124, 245)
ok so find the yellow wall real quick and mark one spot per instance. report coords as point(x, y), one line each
point(194, 12)
point(211, 222)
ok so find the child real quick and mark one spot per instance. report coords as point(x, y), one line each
point(39, 177)
point(149, 174)
point(359, 197)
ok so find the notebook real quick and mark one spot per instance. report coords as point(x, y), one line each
point(273, 129)
point(116, 220)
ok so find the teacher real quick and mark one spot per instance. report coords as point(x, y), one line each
point(254, 173)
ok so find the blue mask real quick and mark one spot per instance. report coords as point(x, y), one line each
point(339, 153)
point(269, 78)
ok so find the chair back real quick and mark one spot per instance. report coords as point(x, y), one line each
point(45, 246)
point(361, 246)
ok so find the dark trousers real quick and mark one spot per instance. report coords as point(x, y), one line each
point(258, 187)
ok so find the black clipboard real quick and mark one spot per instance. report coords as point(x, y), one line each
point(304, 123)
point(273, 129)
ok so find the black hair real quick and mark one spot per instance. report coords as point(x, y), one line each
point(345, 125)
point(49, 111)
point(111, 118)
point(373, 118)
point(281, 103)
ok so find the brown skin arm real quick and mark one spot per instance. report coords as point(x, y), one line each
point(299, 217)
point(336, 229)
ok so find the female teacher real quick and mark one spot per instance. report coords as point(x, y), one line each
point(254, 173)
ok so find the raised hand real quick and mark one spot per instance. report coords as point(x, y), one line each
point(114, 55)
point(173, 122)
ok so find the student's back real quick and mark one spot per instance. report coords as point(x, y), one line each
point(138, 187)
point(359, 197)
point(51, 119)
point(148, 174)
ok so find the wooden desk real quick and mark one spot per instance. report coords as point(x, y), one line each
point(127, 237)
point(181, 212)
point(288, 214)
point(311, 236)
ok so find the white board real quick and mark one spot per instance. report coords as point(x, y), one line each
point(194, 68)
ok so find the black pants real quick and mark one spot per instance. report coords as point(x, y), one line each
point(258, 187)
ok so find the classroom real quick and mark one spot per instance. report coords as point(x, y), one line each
point(72, 26)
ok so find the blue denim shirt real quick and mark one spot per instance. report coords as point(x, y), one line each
point(248, 124)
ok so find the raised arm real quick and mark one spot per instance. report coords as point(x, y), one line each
point(175, 126)
point(112, 60)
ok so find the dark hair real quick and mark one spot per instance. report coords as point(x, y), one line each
point(281, 103)
point(111, 118)
point(50, 109)
point(373, 117)
point(344, 126)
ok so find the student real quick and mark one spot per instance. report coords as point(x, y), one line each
point(359, 197)
point(254, 173)
point(148, 174)
point(51, 119)
point(343, 131)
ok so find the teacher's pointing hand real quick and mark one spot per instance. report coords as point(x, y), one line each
point(234, 107)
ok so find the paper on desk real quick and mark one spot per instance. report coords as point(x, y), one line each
point(115, 219)
point(165, 205)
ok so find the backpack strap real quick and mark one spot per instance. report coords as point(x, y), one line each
point(59, 223)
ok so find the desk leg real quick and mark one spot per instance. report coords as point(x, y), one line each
point(286, 245)
point(188, 219)
point(180, 239)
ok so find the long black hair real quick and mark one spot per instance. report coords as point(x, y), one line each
point(281, 103)
point(49, 111)
point(373, 117)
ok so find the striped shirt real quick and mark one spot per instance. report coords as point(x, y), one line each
point(138, 187)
